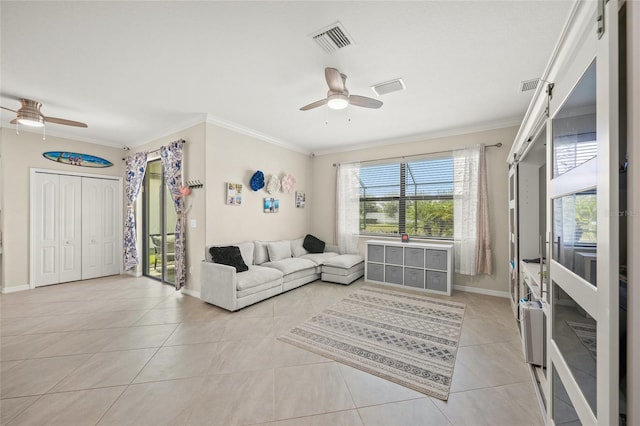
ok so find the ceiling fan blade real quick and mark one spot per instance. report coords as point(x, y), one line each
point(8, 109)
point(312, 105)
point(334, 79)
point(363, 101)
point(65, 122)
point(14, 121)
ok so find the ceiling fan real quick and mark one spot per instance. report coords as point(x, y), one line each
point(29, 115)
point(338, 96)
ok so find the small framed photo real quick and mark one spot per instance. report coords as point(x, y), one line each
point(300, 199)
point(271, 205)
point(234, 194)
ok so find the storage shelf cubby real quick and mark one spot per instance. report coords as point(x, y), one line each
point(424, 266)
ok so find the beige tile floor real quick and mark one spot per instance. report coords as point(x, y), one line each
point(131, 351)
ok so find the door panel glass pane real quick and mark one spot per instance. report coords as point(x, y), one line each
point(159, 225)
point(574, 332)
point(574, 231)
point(170, 239)
point(153, 219)
point(563, 411)
point(574, 126)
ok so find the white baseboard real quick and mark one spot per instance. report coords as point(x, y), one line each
point(191, 293)
point(495, 293)
point(16, 288)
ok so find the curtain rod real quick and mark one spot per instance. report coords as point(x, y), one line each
point(156, 150)
point(497, 145)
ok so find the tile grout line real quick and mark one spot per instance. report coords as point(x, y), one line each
point(353, 401)
point(25, 408)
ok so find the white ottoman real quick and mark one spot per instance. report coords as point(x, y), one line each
point(343, 269)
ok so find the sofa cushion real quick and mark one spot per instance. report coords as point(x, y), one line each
point(266, 286)
point(279, 250)
point(229, 255)
point(255, 276)
point(297, 248)
point(246, 249)
point(344, 261)
point(313, 244)
point(343, 272)
point(292, 264)
point(319, 258)
point(261, 253)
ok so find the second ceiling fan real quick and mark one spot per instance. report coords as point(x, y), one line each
point(338, 96)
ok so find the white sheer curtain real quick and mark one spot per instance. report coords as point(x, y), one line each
point(347, 207)
point(470, 212)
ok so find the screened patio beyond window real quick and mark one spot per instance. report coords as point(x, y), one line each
point(413, 197)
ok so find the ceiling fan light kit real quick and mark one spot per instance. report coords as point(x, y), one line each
point(338, 96)
point(338, 101)
point(30, 119)
point(29, 114)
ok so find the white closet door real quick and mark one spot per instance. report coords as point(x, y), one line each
point(101, 229)
point(70, 209)
point(111, 213)
point(45, 228)
point(92, 217)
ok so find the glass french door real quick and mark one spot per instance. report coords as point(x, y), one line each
point(159, 225)
point(582, 152)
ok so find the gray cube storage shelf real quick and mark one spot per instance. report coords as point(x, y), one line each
point(428, 267)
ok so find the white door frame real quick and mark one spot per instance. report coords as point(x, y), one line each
point(32, 194)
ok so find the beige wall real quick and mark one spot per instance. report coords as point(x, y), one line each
point(19, 154)
point(214, 156)
point(324, 193)
point(234, 157)
point(194, 169)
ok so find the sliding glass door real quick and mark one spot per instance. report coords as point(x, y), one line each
point(159, 225)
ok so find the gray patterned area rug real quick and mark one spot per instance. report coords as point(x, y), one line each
point(403, 337)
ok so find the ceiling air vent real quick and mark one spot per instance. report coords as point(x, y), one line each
point(527, 85)
point(333, 38)
point(389, 87)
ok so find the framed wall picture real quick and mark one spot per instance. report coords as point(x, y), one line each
point(300, 199)
point(234, 194)
point(271, 205)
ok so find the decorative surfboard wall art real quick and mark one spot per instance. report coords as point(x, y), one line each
point(75, 159)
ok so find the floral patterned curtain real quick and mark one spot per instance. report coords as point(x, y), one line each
point(136, 165)
point(172, 167)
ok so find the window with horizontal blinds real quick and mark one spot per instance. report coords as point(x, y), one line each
point(413, 197)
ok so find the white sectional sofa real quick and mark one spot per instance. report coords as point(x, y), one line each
point(274, 267)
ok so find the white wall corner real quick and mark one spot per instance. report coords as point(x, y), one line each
point(190, 292)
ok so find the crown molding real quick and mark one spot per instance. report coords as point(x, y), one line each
point(421, 137)
point(230, 125)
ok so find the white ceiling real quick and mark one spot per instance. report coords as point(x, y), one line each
point(135, 71)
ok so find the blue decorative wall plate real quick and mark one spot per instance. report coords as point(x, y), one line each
point(75, 159)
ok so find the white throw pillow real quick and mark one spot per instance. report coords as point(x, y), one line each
point(296, 247)
point(279, 250)
point(260, 253)
point(246, 250)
